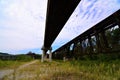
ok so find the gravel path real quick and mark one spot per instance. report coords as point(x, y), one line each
point(10, 71)
point(5, 72)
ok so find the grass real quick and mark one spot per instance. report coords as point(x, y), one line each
point(96, 70)
point(10, 64)
point(69, 70)
point(95, 67)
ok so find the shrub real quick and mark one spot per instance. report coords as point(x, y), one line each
point(23, 57)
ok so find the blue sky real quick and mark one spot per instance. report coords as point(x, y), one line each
point(22, 23)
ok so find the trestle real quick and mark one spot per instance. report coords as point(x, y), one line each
point(104, 37)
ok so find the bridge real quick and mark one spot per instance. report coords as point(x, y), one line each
point(95, 40)
point(58, 12)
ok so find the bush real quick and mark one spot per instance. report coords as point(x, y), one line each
point(101, 57)
point(23, 57)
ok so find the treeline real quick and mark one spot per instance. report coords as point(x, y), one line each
point(20, 57)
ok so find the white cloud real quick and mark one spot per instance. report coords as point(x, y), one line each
point(23, 24)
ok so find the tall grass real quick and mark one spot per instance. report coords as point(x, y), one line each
point(96, 70)
point(85, 69)
point(70, 70)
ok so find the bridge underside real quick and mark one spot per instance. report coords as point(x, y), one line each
point(104, 37)
point(58, 12)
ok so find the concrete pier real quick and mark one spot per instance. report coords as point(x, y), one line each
point(44, 54)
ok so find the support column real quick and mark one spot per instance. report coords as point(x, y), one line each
point(81, 48)
point(105, 47)
point(91, 46)
point(99, 48)
point(68, 51)
point(50, 54)
point(105, 42)
point(44, 54)
point(42, 57)
point(117, 19)
point(73, 47)
point(68, 48)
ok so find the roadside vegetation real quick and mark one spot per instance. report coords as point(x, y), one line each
point(95, 67)
point(11, 64)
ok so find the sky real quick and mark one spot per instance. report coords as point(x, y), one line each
point(22, 23)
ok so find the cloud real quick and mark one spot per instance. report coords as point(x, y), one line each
point(22, 25)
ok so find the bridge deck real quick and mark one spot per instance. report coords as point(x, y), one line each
point(58, 12)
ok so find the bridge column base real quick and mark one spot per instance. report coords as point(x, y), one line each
point(44, 54)
point(50, 54)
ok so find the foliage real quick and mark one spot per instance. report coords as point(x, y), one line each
point(113, 36)
point(101, 57)
point(37, 56)
point(9, 64)
point(23, 57)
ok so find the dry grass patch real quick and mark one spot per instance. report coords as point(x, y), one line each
point(69, 70)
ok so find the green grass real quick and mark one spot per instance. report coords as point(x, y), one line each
point(70, 70)
point(10, 64)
